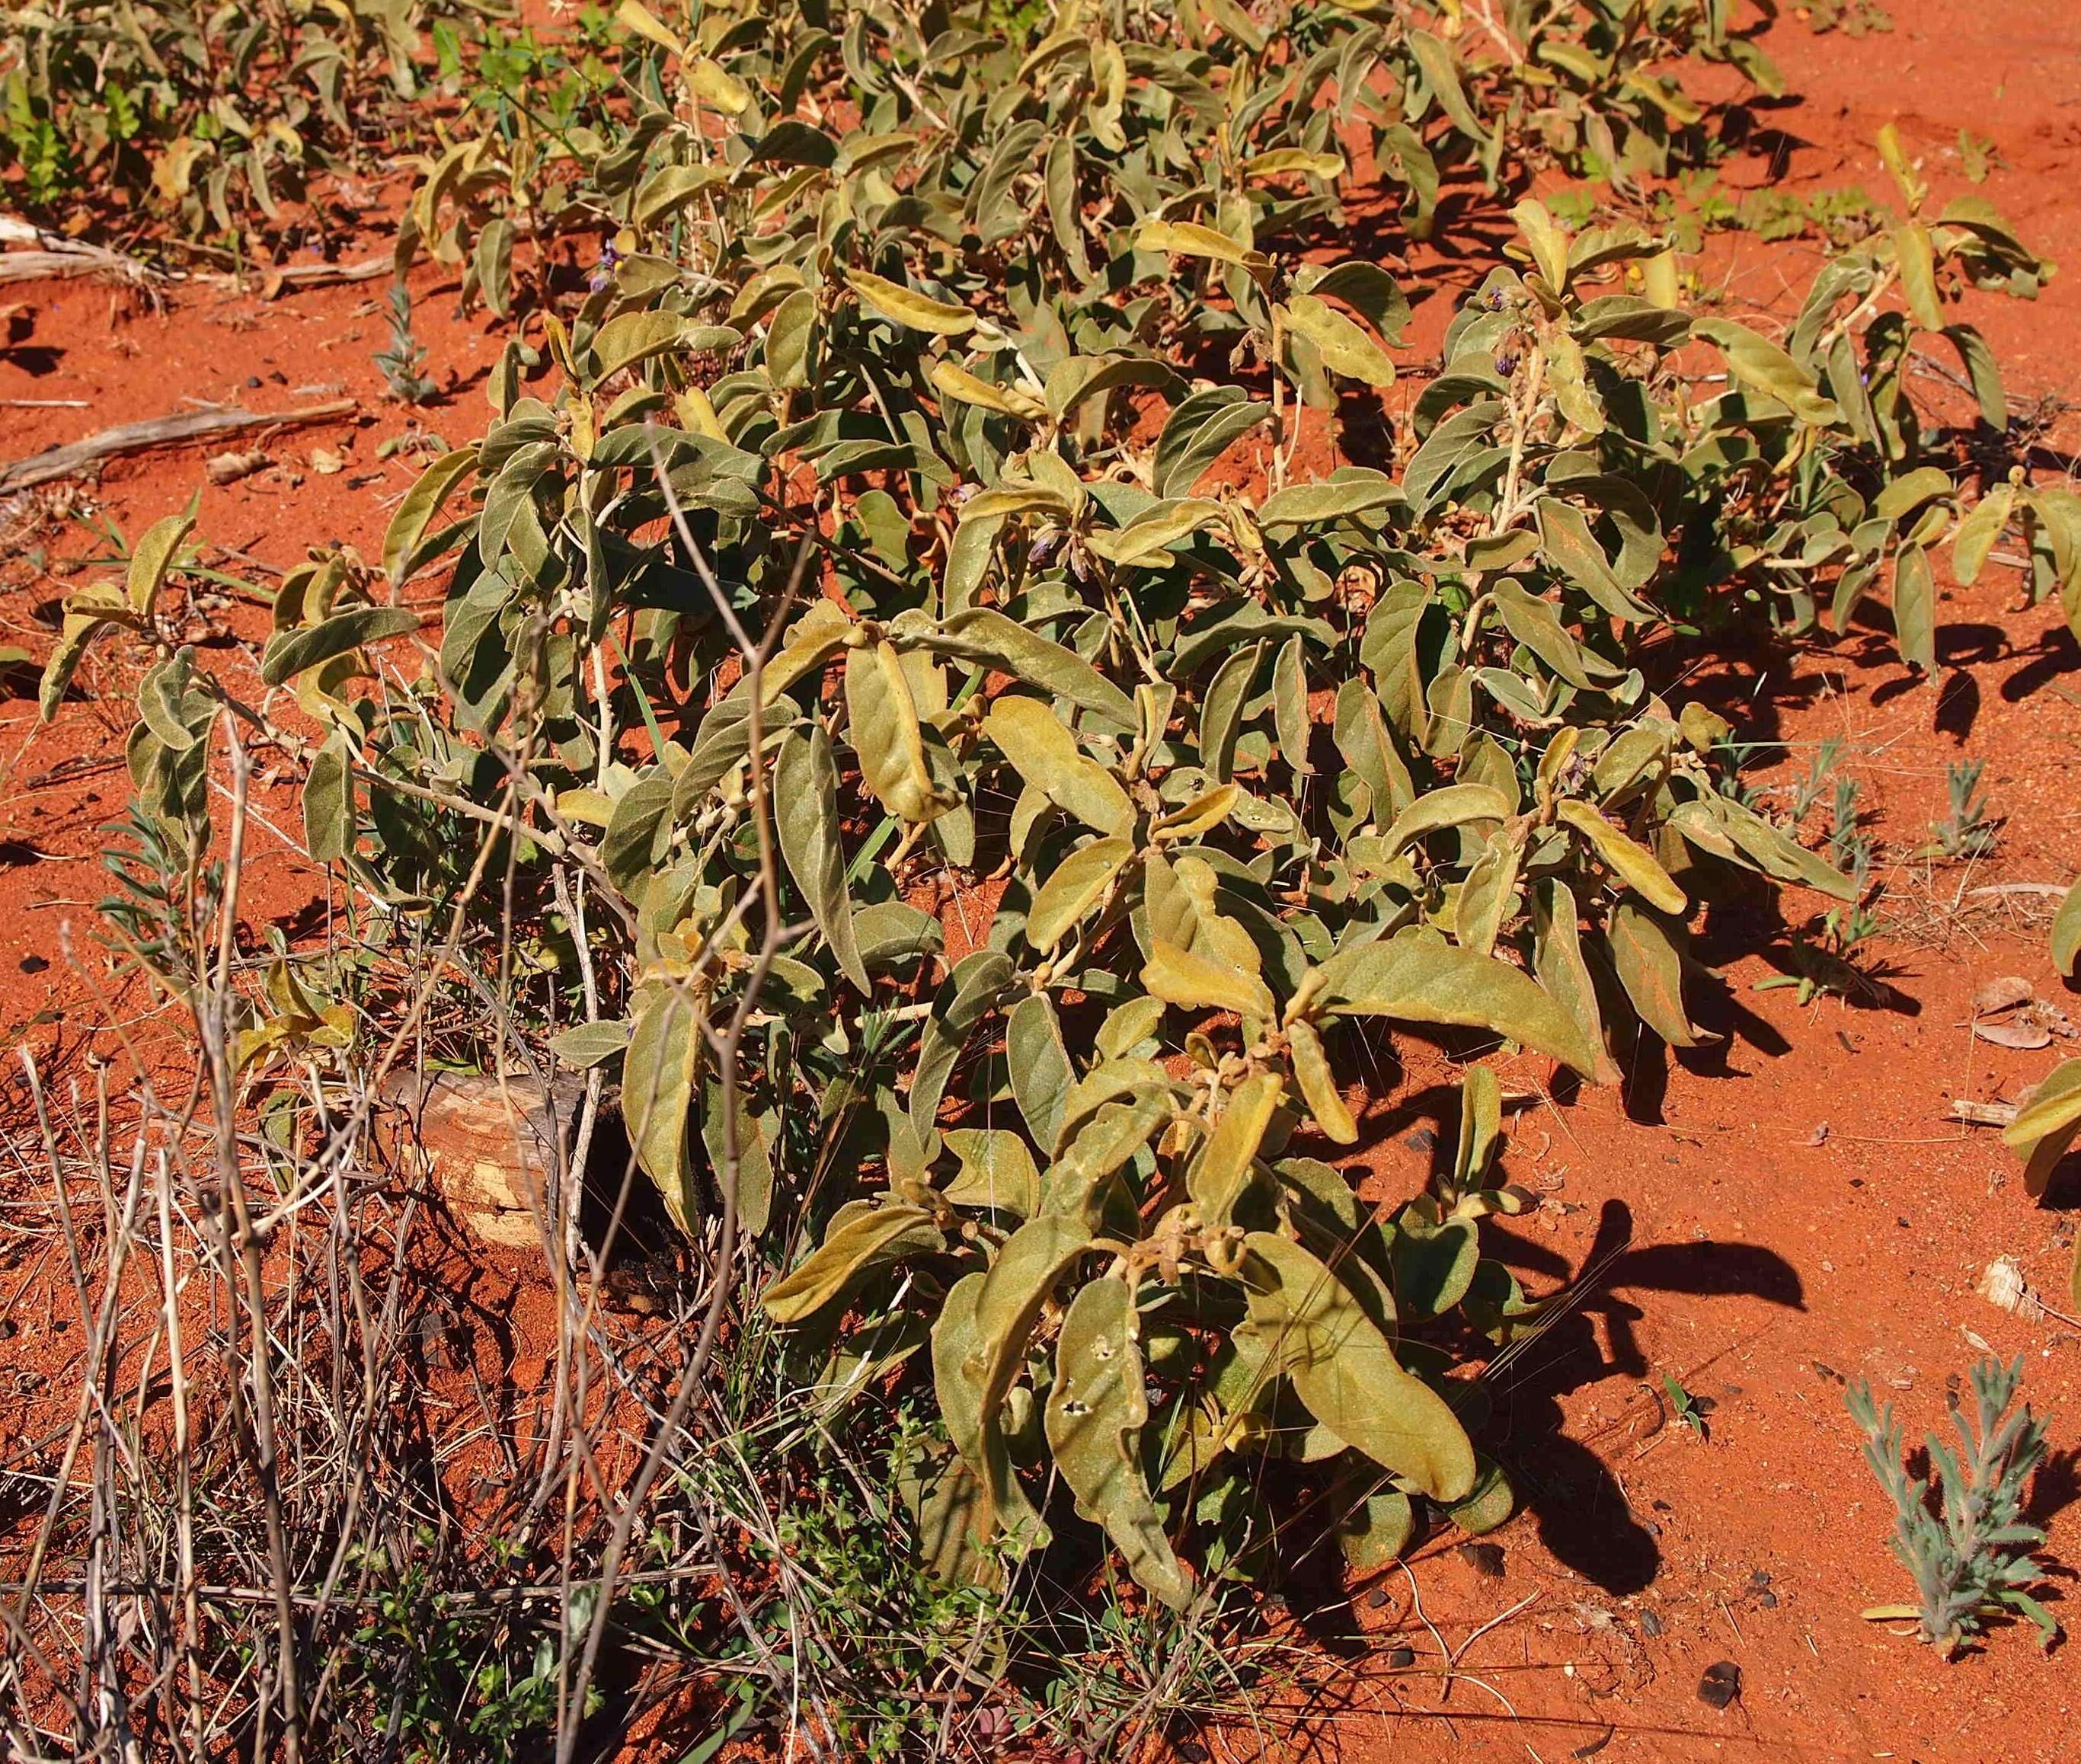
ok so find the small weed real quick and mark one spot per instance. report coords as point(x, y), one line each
point(1809, 789)
point(1690, 1409)
point(1968, 830)
point(1962, 1533)
point(403, 361)
point(1977, 156)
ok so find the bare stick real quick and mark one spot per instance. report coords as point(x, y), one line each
point(129, 437)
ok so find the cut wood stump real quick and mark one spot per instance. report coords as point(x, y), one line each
point(490, 1149)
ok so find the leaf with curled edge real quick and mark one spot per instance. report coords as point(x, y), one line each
point(1318, 1084)
point(872, 1238)
point(996, 1170)
point(1416, 976)
point(1345, 1372)
point(1453, 805)
point(657, 1070)
point(2046, 1125)
point(1075, 886)
point(1038, 1063)
point(805, 816)
point(1046, 755)
point(1342, 343)
point(1028, 1266)
point(1647, 953)
point(1107, 1138)
point(906, 306)
point(1222, 1174)
point(1191, 981)
point(1096, 1410)
point(1632, 862)
point(882, 719)
point(151, 558)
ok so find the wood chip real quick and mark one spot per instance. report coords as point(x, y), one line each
point(1983, 1114)
point(230, 468)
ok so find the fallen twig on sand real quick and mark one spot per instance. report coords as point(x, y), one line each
point(51, 255)
point(77, 456)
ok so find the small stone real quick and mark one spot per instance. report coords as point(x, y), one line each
point(1649, 1624)
point(1485, 1559)
point(34, 964)
point(252, 382)
point(1720, 1685)
point(1401, 1659)
point(1379, 1599)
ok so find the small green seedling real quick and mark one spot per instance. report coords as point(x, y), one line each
point(1689, 1409)
point(1960, 1532)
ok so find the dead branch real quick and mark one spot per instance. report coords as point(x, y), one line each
point(127, 438)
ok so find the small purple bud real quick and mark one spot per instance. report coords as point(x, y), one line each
point(1506, 364)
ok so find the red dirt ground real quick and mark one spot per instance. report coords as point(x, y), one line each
point(1799, 1211)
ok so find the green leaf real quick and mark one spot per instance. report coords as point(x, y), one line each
point(1417, 976)
point(1038, 1063)
point(1634, 864)
point(585, 1045)
point(882, 720)
point(1222, 1172)
point(1289, 706)
point(1345, 1371)
point(2046, 1125)
point(906, 306)
point(631, 339)
point(1096, 1409)
point(2067, 933)
point(1915, 608)
point(957, 1373)
point(1433, 1265)
point(1758, 362)
point(1076, 885)
point(657, 1072)
point(1031, 736)
point(291, 653)
point(407, 532)
point(996, 1170)
point(805, 816)
point(153, 556)
point(1563, 972)
point(873, 1237)
point(985, 636)
point(1348, 492)
point(329, 813)
point(1033, 1260)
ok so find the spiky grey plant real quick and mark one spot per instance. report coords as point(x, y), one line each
point(1970, 1552)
